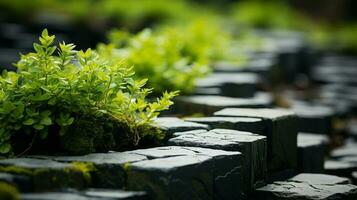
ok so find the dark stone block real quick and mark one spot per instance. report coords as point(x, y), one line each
point(311, 152)
point(308, 187)
point(280, 128)
point(22, 183)
point(46, 174)
point(231, 84)
point(253, 125)
point(209, 104)
point(253, 148)
point(171, 125)
point(187, 173)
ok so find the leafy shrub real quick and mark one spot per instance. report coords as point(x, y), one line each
point(79, 95)
point(174, 57)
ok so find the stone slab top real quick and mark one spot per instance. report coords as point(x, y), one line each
point(262, 113)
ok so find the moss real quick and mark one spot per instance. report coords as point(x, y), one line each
point(8, 192)
point(16, 170)
point(86, 168)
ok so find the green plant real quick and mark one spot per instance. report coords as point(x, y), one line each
point(62, 90)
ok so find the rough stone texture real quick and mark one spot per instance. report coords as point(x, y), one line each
point(208, 104)
point(109, 172)
point(253, 125)
point(309, 187)
point(280, 128)
point(314, 118)
point(187, 173)
point(22, 183)
point(231, 84)
point(45, 174)
point(90, 194)
point(253, 148)
point(311, 152)
point(172, 124)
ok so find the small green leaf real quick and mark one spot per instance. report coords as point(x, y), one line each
point(5, 148)
point(29, 122)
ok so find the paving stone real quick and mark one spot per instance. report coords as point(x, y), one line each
point(314, 118)
point(208, 104)
point(172, 124)
point(339, 168)
point(46, 174)
point(22, 183)
point(309, 187)
point(175, 172)
point(231, 84)
point(89, 194)
point(311, 152)
point(252, 146)
point(253, 125)
point(280, 128)
point(109, 167)
point(349, 149)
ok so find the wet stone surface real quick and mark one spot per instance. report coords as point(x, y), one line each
point(45, 174)
point(280, 128)
point(253, 125)
point(231, 84)
point(90, 194)
point(311, 152)
point(208, 104)
point(252, 146)
point(174, 172)
point(172, 124)
point(308, 187)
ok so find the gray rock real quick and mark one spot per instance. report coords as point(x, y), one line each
point(280, 128)
point(231, 84)
point(311, 152)
point(349, 149)
point(46, 174)
point(89, 194)
point(172, 124)
point(252, 146)
point(175, 172)
point(339, 168)
point(314, 118)
point(207, 91)
point(253, 125)
point(309, 187)
point(109, 167)
point(22, 183)
point(208, 104)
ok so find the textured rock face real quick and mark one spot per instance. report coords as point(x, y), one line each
point(208, 104)
point(253, 125)
point(280, 128)
point(253, 148)
point(172, 124)
point(187, 173)
point(311, 152)
point(313, 118)
point(90, 194)
point(109, 170)
point(46, 174)
point(231, 84)
point(309, 186)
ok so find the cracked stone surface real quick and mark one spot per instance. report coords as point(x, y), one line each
point(89, 194)
point(172, 124)
point(252, 146)
point(311, 152)
point(314, 118)
point(231, 84)
point(253, 125)
point(309, 187)
point(109, 166)
point(280, 128)
point(174, 172)
point(208, 104)
point(45, 174)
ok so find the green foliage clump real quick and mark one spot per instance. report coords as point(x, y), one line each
point(55, 88)
point(8, 192)
point(174, 57)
